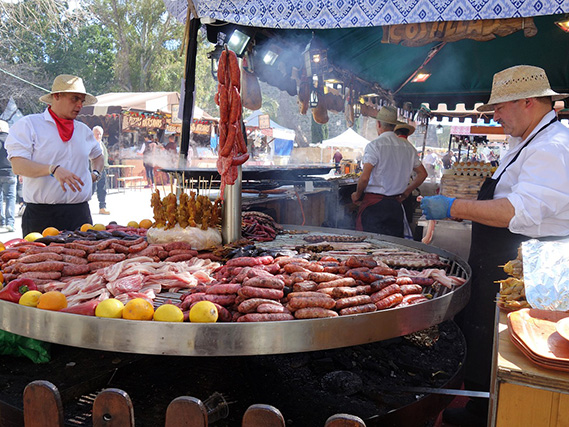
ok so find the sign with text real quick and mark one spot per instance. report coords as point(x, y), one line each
point(264, 121)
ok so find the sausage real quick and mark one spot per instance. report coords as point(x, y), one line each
point(45, 275)
point(307, 285)
point(328, 258)
point(344, 282)
point(250, 261)
point(99, 264)
point(353, 262)
point(312, 266)
point(42, 266)
point(87, 249)
point(365, 308)
point(9, 254)
point(74, 252)
point(177, 245)
point(250, 305)
point(75, 269)
point(323, 277)
point(294, 267)
point(252, 292)
point(301, 276)
point(403, 280)
point(179, 258)
point(389, 290)
point(352, 301)
point(233, 70)
point(138, 247)
point(222, 71)
point(332, 269)
point(389, 301)
point(71, 259)
point(411, 289)
point(265, 317)
point(323, 301)
point(106, 257)
point(41, 257)
point(423, 281)
point(284, 260)
point(271, 308)
point(364, 290)
point(366, 277)
point(265, 282)
point(382, 283)
point(412, 299)
point(386, 271)
point(220, 299)
point(223, 289)
point(133, 242)
point(119, 248)
point(342, 292)
point(314, 313)
point(227, 147)
point(304, 294)
point(182, 251)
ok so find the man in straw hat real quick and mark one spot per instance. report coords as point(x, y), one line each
point(528, 197)
point(52, 151)
point(384, 182)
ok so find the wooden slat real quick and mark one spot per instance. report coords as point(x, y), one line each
point(344, 420)
point(113, 408)
point(42, 405)
point(263, 416)
point(186, 411)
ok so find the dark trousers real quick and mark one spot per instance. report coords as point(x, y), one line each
point(384, 217)
point(101, 188)
point(37, 217)
point(149, 173)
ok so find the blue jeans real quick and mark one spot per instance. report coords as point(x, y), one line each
point(8, 200)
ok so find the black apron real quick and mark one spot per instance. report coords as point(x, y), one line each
point(490, 248)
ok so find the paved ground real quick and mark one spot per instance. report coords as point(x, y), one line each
point(130, 205)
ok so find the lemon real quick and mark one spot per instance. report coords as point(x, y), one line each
point(203, 312)
point(33, 236)
point(138, 309)
point(86, 227)
point(110, 307)
point(30, 298)
point(168, 313)
point(132, 224)
point(99, 227)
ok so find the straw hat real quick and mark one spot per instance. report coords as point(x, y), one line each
point(68, 83)
point(4, 126)
point(520, 82)
point(411, 128)
point(388, 115)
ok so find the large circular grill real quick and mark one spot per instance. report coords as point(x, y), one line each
point(242, 339)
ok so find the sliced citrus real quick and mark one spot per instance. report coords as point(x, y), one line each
point(86, 227)
point(203, 312)
point(52, 300)
point(169, 313)
point(138, 309)
point(50, 231)
point(111, 307)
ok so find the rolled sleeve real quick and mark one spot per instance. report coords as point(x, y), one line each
point(19, 141)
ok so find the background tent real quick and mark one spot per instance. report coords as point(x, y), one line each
point(349, 138)
point(283, 138)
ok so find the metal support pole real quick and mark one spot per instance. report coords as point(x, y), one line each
point(231, 225)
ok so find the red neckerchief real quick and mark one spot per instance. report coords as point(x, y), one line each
point(64, 126)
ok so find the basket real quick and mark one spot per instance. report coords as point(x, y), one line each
point(461, 186)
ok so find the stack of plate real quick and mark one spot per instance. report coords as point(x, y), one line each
point(542, 336)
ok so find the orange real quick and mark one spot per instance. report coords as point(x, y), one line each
point(52, 300)
point(1, 278)
point(2, 247)
point(138, 309)
point(145, 223)
point(50, 231)
point(86, 227)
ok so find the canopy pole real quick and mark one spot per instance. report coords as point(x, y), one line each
point(425, 139)
point(189, 88)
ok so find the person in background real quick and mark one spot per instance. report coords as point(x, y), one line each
point(430, 161)
point(148, 151)
point(384, 182)
point(172, 145)
point(447, 160)
point(8, 182)
point(102, 183)
point(337, 158)
point(527, 197)
point(403, 131)
point(52, 151)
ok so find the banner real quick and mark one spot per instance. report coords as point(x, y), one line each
point(142, 121)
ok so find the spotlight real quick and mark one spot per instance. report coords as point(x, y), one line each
point(421, 76)
point(238, 42)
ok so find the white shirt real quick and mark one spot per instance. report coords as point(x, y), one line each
point(35, 137)
point(393, 161)
point(537, 183)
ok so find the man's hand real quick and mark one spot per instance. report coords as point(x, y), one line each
point(64, 176)
point(437, 207)
point(356, 198)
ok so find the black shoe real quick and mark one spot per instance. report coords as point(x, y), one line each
point(469, 416)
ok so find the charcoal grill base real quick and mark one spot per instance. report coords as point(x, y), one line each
point(292, 383)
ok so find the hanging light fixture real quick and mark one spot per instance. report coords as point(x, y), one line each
point(421, 76)
point(238, 42)
point(313, 101)
point(564, 23)
point(315, 57)
point(214, 57)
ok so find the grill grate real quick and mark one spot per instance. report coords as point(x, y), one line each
point(85, 403)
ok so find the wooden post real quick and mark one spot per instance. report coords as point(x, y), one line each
point(42, 405)
point(113, 408)
point(262, 415)
point(186, 411)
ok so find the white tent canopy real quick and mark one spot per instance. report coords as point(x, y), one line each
point(349, 138)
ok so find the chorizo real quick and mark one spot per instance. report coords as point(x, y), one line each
point(177, 245)
point(354, 262)
point(386, 271)
point(323, 277)
point(389, 290)
point(342, 292)
point(74, 252)
point(179, 258)
point(220, 299)
point(343, 282)
point(304, 294)
point(44, 275)
point(106, 257)
point(119, 248)
point(294, 267)
point(271, 308)
point(365, 308)
point(264, 282)
point(403, 280)
point(382, 283)
point(253, 292)
point(323, 301)
point(138, 247)
point(41, 257)
point(223, 289)
point(72, 259)
point(229, 142)
point(233, 70)
point(411, 299)
point(250, 305)
point(364, 276)
point(353, 301)
point(389, 301)
point(42, 266)
point(265, 317)
point(411, 289)
point(182, 251)
point(314, 313)
point(93, 266)
point(307, 285)
point(75, 269)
